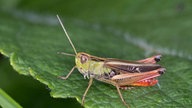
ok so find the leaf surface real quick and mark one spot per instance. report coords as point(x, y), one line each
point(127, 30)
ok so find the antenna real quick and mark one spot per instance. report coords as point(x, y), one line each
point(67, 34)
point(65, 54)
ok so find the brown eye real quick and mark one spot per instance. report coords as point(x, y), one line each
point(84, 59)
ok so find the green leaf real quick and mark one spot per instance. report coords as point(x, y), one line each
point(25, 89)
point(128, 30)
point(6, 101)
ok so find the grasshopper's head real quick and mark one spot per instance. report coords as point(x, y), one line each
point(82, 61)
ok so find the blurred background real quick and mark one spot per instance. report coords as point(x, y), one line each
point(161, 26)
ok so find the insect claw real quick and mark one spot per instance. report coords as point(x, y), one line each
point(86, 76)
point(125, 104)
point(82, 102)
point(64, 78)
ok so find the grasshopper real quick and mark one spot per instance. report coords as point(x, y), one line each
point(119, 73)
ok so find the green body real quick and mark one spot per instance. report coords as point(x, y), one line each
point(90, 67)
